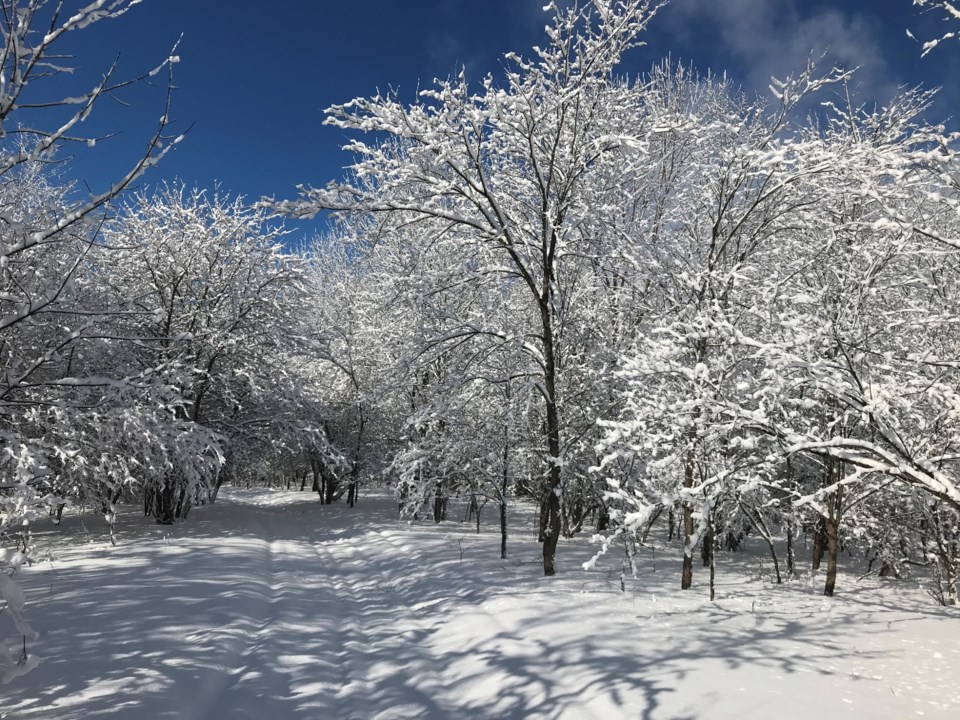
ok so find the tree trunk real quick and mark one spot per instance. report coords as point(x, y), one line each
point(686, 578)
point(819, 543)
point(552, 535)
point(649, 526)
point(227, 474)
point(439, 504)
point(946, 561)
point(163, 503)
point(950, 583)
point(831, 523)
point(832, 527)
point(789, 526)
point(315, 469)
point(542, 523)
point(503, 529)
point(330, 484)
point(791, 560)
point(706, 547)
point(183, 504)
point(603, 517)
point(505, 480)
point(354, 490)
point(554, 457)
point(713, 559)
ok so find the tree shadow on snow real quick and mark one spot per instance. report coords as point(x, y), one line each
point(255, 610)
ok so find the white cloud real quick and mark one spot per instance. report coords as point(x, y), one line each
point(764, 38)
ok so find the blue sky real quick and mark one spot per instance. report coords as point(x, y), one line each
point(255, 76)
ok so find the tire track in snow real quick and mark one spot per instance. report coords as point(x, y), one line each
point(388, 672)
point(351, 688)
point(242, 662)
point(319, 631)
point(297, 658)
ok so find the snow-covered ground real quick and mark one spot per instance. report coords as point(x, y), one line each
point(270, 606)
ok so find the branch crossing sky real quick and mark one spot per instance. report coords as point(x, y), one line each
point(254, 77)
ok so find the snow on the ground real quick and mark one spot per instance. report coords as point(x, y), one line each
point(270, 606)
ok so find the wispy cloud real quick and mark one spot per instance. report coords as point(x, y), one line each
point(764, 38)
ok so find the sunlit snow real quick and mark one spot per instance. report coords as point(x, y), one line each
point(268, 605)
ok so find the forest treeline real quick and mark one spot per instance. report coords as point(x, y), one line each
point(626, 300)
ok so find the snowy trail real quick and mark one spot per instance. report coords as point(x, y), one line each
point(270, 606)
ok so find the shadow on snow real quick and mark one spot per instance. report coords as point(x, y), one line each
point(303, 611)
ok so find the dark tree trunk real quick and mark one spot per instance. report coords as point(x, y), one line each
point(552, 503)
point(832, 544)
point(163, 504)
point(832, 522)
point(713, 557)
point(552, 536)
point(763, 531)
point(649, 527)
point(791, 560)
point(439, 504)
point(603, 517)
point(315, 469)
point(706, 547)
point(353, 491)
point(503, 529)
point(226, 475)
point(686, 577)
point(184, 503)
point(834, 473)
point(330, 489)
point(542, 532)
point(505, 481)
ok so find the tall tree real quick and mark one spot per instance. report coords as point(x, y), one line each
point(508, 168)
point(49, 236)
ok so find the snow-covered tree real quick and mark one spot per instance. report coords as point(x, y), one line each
point(509, 169)
point(50, 235)
point(216, 303)
point(806, 320)
point(356, 325)
point(738, 184)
